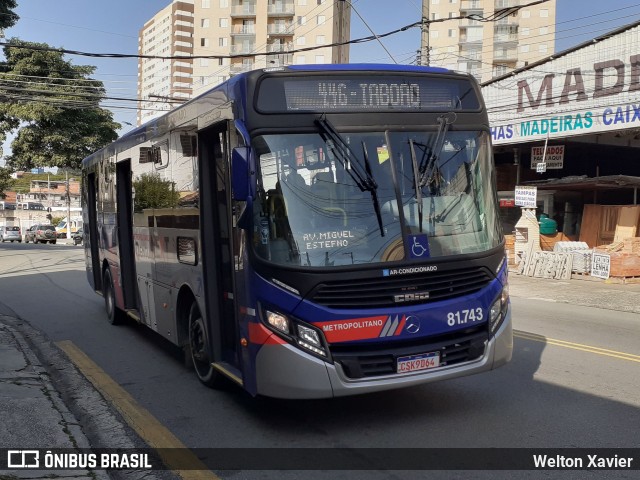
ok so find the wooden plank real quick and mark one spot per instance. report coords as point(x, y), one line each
point(590, 224)
point(627, 225)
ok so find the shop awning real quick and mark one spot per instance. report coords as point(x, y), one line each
point(582, 182)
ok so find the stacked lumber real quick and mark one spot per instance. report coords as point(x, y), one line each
point(625, 257)
point(509, 245)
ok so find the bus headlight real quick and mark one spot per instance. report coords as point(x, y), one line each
point(499, 309)
point(296, 332)
point(278, 321)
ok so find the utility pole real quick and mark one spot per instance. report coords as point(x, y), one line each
point(66, 172)
point(424, 37)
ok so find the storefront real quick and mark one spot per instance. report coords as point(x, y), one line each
point(570, 124)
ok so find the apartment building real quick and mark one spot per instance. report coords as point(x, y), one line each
point(162, 83)
point(238, 35)
point(500, 37)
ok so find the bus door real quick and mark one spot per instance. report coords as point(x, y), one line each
point(91, 247)
point(217, 247)
point(125, 233)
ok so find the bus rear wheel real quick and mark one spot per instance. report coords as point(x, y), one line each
point(199, 349)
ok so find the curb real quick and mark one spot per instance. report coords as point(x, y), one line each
point(95, 419)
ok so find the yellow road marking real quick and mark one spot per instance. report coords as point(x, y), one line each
point(577, 346)
point(171, 450)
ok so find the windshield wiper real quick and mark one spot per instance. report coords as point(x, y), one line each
point(374, 191)
point(416, 180)
point(429, 166)
point(361, 175)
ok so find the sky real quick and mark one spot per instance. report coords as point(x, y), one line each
point(112, 27)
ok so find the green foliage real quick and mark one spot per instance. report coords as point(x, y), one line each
point(6, 182)
point(153, 192)
point(7, 16)
point(56, 220)
point(57, 115)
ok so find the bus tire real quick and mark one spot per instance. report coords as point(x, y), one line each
point(198, 348)
point(114, 315)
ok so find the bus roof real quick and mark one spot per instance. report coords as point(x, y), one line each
point(160, 124)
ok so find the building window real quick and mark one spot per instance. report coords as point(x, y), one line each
point(224, 3)
point(224, 23)
point(433, 34)
point(302, 20)
point(206, 3)
point(524, 48)
point(526, 13)
point(544, 13)
point(204, 62)
point(451, 33)
point(435, 2)
point(204, 23)
point(435, 16)
point(300, 59)
point(204, 42)
point(320, 19)
point(223, 41)
point(542, 48)
point(544, 30)
point(525, 31)
point(301, 41)
point(302, 3)
point(319, 59)
point(320, 40)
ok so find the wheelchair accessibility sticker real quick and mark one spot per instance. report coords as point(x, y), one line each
point(419, 245)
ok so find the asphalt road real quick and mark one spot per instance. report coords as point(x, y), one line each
point(569, 383)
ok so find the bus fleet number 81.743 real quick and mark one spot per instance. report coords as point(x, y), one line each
point(464, 316)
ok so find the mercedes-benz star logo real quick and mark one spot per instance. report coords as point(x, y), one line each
point(412, 324)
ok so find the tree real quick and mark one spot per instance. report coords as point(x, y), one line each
point(153, 192)
point(7, 17)
point(54, 106)
point(5, 181)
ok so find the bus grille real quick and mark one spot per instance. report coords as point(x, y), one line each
point(382, 292)
point(372, 361)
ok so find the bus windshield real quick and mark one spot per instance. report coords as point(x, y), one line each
point(385, 196)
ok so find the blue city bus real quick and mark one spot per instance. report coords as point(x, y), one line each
point(309, 231)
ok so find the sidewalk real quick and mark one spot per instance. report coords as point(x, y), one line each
point(588, 292)
point(46, 403)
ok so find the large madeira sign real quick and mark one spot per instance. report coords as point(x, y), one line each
point(576, 94)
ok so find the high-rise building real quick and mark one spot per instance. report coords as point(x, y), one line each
point(162, 83)
point(501, 36)
point(237, 35)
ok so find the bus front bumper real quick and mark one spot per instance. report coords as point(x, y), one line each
point(284, 371)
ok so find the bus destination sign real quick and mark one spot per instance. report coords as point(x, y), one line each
point(365, 93)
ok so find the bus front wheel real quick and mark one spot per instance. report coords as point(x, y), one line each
point(199, 349)
point(109, 293)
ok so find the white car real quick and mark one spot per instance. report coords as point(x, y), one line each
point(10, 234)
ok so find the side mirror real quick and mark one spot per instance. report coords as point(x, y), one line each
point(240, 175)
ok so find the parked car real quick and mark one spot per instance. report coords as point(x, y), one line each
point(77, 237)
point(12, 234)
point(40, 233)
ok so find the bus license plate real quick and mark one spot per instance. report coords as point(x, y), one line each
point(422, 361)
